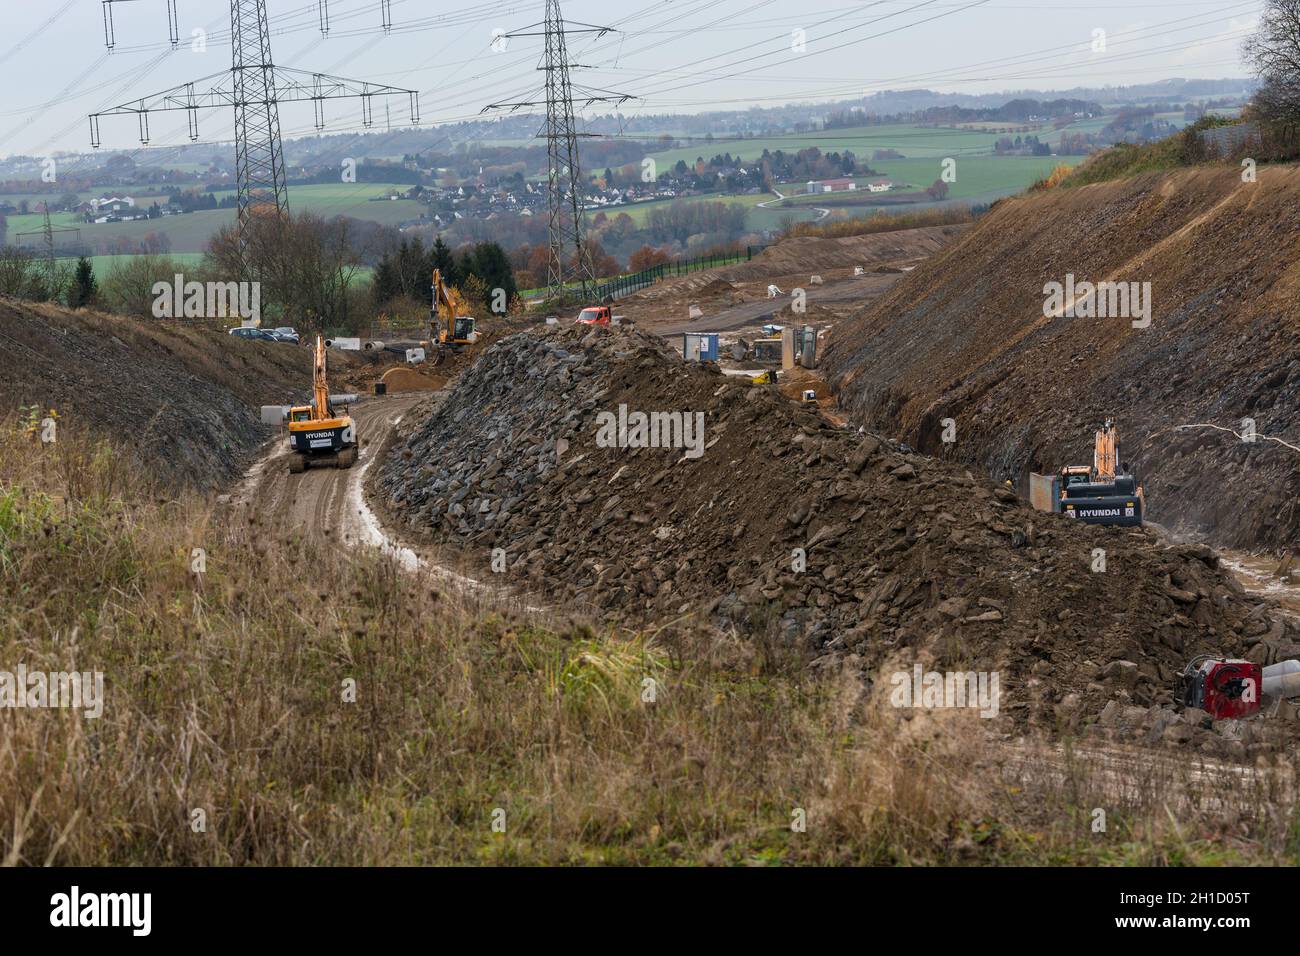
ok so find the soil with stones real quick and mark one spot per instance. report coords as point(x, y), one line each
point(792, 529)
point(965, 337)
point(183, 399)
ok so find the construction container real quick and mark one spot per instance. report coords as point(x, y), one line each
point(808, 347)
point(767, 350)
point(1044, 491)
point(700, 346)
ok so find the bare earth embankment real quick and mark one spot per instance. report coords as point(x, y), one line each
point(964, 337)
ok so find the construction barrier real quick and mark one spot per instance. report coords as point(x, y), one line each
point(1043, 491)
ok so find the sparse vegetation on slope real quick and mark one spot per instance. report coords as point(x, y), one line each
point(880, 222)
point(1182, 149)
point(224, 693)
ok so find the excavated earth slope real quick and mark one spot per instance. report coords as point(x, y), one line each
point(905, 554)
point(183, 399)
point(964, 337)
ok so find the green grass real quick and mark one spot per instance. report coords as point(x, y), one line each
point(911, 141)
point(34, 222)
point(978, 177)
point(190, 233)
point(756, 220)
point(103, 265)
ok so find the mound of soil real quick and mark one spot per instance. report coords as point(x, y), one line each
point(964, 337)
point(402, 379)
point(903, 553)
point(183, 399)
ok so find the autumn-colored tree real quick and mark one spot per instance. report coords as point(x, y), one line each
point(646, 257)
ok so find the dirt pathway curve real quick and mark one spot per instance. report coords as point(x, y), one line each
point(332, 502)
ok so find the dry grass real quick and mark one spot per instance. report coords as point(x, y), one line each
point(225, 693)
point(881, 222)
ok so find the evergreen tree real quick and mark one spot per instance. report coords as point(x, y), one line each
point(384, 286)
point(442, 258)
point(84, 289)
point(488, 262)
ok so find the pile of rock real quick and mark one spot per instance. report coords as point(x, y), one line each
point(769, 519)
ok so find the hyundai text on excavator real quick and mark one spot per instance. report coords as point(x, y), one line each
point(449, 327)
point(1102, 494)
point(317, 433)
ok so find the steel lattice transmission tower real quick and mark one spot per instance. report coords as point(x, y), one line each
point(255, 87)
point(564, 168)
point(48, 247)
point(259, 154)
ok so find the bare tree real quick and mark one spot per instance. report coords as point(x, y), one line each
point(308, 267)
point(1274, 53)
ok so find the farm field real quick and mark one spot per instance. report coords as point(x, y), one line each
point(757, 218)
point(104, 265)
point(191, 232)
point(977, 177)
point(862, 141)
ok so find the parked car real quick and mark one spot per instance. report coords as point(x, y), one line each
point(287, 333)
point(244, 332)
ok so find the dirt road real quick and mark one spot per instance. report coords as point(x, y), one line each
point(331, 502)
point(323, 500)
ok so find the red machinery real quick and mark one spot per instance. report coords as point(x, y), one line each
point(1224, 689)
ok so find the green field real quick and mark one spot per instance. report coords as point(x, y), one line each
point(103, 265)
point(35, 222)
point(191, 232)
point(756, 220)
point(978, 177)
point(911, 141)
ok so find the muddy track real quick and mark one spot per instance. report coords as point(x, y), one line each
point(317, 501)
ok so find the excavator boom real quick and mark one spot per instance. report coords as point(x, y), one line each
point(1105, 456)
point(320, 385)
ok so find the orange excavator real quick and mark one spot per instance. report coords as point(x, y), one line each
point(449, 327)
point(317, 433)
point(1102, 494)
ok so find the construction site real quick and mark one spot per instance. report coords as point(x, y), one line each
point(867, 548)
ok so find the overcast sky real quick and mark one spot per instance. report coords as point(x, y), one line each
point(674, 55)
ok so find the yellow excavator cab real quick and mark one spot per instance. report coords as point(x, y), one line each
point(317, 434)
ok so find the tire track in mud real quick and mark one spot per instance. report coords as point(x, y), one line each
point(331, 502)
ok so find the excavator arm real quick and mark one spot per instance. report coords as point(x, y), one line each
point(1105, 456)
point(320, 384)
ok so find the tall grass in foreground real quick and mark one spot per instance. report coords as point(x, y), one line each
point(225, 694)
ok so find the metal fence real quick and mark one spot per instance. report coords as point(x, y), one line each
point(626, 285)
